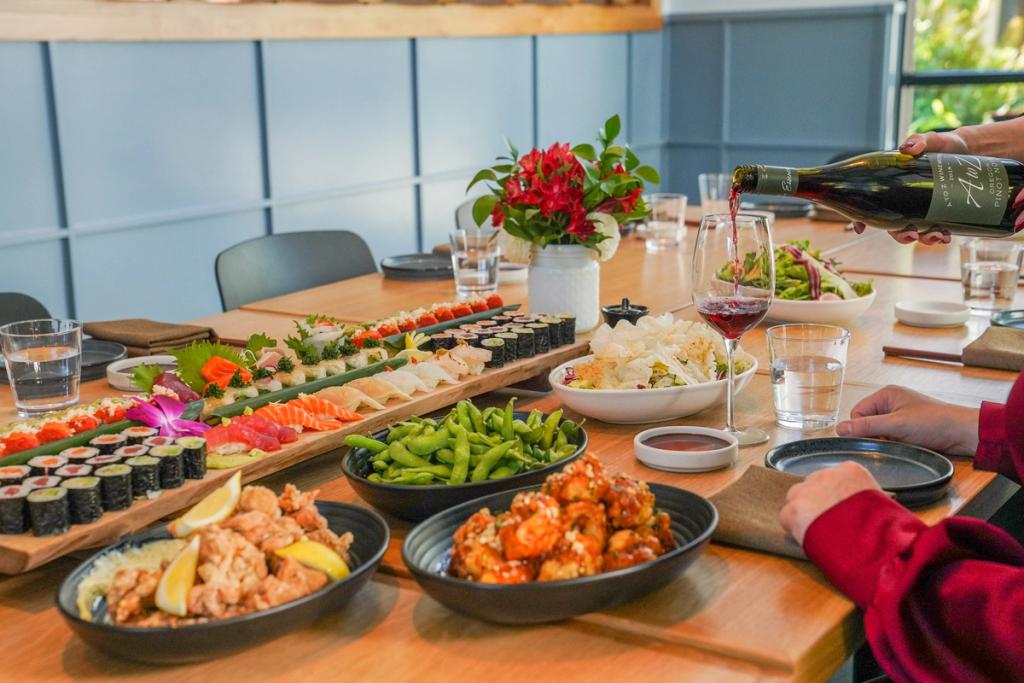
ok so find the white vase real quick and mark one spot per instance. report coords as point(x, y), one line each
point(566, 278)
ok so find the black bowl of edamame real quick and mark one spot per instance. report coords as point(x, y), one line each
point(414, 479)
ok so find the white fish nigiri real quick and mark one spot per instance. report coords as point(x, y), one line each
point(472, 356)
point(452, 365)
point(379, 390)
point(408, 382)
point(431, 374)
point(348, 397)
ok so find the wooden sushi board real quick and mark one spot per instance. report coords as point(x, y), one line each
point(24, 552)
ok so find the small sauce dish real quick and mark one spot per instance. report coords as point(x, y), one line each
point(624, 311)
point(932, 313)
point(685, 449)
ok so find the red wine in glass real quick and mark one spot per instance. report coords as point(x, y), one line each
point(733, 315)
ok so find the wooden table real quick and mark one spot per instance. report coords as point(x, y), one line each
point(877, 255)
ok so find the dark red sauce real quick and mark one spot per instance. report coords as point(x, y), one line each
point(685, 442)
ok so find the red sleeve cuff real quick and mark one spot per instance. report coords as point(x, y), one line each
point(993, 452)
point(853, 542)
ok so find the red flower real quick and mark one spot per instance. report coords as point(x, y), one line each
point(497, 216)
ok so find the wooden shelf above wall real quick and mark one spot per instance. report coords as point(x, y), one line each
point(195, 20)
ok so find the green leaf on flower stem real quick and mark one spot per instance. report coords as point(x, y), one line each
point(631, 160)
point(511, 149)
point(530, 213)
point(611, 129)
point(502, 168)
point(648, 173)
point(482, 208)
point(485, 174)
point(615, 151)
point(584, 151)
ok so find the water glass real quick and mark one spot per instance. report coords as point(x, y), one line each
point(807, 363)
point(989, 270)
point(714, 192)
point(475, 255)
point(665, 227)
point(44, 362)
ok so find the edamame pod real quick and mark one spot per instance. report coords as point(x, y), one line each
point(372, 445)
point(490, 459)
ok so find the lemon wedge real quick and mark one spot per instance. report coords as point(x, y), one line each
point(316, 556)
point(215, 508)
point(177, 580)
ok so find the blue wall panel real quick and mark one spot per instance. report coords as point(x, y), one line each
point(646, 82)
point(438, 201)
point(472, 91)
point(36, 269)
point(684, 164)
point(696, 71)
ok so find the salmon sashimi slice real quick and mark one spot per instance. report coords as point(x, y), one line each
point(322, 409)
point(297, 418)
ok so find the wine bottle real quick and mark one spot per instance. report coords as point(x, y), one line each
point(960, 193)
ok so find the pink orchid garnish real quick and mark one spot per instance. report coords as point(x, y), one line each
point(164, 413)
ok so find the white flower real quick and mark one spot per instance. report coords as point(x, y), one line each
point(514, 249)
point(608, 226)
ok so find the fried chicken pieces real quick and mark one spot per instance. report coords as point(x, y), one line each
point(582, 522)
point(238, 571)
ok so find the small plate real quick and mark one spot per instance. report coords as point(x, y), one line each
point(1013, 318)
point(914, 475)
point(932, 313)
point(685, 461)
point(512, 272)
point(119, 373)
point(96, 356)
point(418, 267)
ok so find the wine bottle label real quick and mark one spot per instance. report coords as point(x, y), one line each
point(777, 180)
point(968, 189)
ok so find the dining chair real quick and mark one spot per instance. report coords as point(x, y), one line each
point(278, 264)
point(15, 306)
point(464, 216)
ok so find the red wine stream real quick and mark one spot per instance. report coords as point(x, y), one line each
point(737, 265)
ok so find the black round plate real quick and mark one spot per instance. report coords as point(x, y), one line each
point(916, 476)
point(1013, 318)
point(217, 638)
point(427, 551)
point(418, 267)
point(414, 503)
point(96, 356)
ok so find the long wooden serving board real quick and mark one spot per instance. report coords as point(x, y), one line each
point(24, 552)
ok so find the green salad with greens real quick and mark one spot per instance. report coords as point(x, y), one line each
point(801, 274)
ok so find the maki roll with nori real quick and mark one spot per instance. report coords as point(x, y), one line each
point(555, 329)
point(44, 465)
point(132, 451)
point(145, 475)
point(511, 340)
point(84, 500)
point(154, 441)
point(503, 319)
point(442, 340)
point(74, 471)
point(195, 456)
point(78, 455)
point(48, 509)
point(486, 323)
point(13, 474)
point(568, 327)
point(471, 339)
point(103, 460)
point(497, 348)
point(541, 337)
point(137, 435)
point(172, 465)
point(13, 509)
point(108, 443)
point(44, 482)
point(524, 344)
point(115, 486)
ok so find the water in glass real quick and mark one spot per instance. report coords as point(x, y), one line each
point(43, 359)
point(806, 391)
point(475, 256)
point(989, 285)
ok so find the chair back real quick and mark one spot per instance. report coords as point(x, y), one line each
point(464, 216)
point(15, 306)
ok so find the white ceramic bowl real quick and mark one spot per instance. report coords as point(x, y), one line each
point(686, 461)
point(839, 311)
point(637, 406)
point(932, 313)
point(119, 373)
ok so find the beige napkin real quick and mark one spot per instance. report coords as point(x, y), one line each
point(144, 337)
point(748, 512)
point(1001, 348)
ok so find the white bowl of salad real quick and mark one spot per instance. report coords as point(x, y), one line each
point(659, 369)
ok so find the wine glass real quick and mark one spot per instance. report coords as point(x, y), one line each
point(733, 284)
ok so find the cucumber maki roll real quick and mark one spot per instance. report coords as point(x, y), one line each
point(145, 475)
point(524, 344)
point(48, 509)
point(45, 465)
point(158, 441)
point(137, 435)
point(108, 443)
point(125, 452)
point(14, 509)
point(568, 327)
point(78, 455)
point(172, 465)
point(69, 471)
point(511, 340)
point(13, 474)
point(42, 482)
point(115, 486)
point(497, 348)
point(541, 337)
point(195, 456)
point(84, 499)
point(554, 324)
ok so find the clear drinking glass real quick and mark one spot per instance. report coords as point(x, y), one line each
point(665, 227)
point(44, 363)
point(989, 270)
point(731, 296)
point(714, 192)
point(475, 254)
point(807, 362)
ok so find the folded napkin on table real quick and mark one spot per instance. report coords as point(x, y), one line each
point(1001, 348)
point(145, 337)
point(748, 512)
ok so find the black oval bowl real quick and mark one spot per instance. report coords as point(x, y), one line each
point(427, 552)
point(416, 503)
point(217, 638)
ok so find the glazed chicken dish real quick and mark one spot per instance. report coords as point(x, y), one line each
point(583, 521)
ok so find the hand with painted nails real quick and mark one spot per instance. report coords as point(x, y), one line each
point(899, 414)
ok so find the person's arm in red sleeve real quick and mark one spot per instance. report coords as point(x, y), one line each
point(1001, 435)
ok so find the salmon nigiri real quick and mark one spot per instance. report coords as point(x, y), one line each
point(297, 418)
point(322, 409)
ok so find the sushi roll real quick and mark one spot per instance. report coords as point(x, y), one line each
point(84, 499)
point(195, 456)
point(115, 486)
point(503, 319)
point(541, 337)
point(568, 327)
point(442, 340)
point(137, 435)
point(487, 323)
point(471, 328)
point(511, 340)
point(13, 474)
point(44, 482)
point(172, 465)
point(103, 460)
point(43, 465)
point(554, 324)
point(78, 456)
point(108, 443)
point(497, 348)
point(471, 339)
point(74, 471)
point(145, 475)
point(486, 333)
point(13, 509)
point(158, 441)
point(525, 343)
point(125, 452)
point(49, 511)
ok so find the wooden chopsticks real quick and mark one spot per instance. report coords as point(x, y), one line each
point(922, 354)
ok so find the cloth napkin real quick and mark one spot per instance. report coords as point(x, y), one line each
point(748, 512)
point(1001, 348)
point(146, 337)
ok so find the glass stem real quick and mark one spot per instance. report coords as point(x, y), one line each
point(730, 350)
